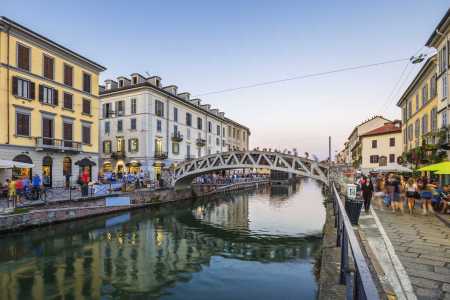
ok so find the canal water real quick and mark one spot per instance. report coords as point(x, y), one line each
point(258, 244)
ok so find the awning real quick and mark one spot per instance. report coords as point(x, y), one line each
point(9, 164)
point(395, 168)
point(435, 167)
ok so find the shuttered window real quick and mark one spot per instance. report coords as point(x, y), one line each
point(48, 95)
point(23, 57)
point(86, 106)
point(68, 101)
point(159, 108)
point(86, 82)
point(67, 134)
point(68, 75)
point(48, 67)
point(47, 131)
point(86, 134)
point(22, 124)
point(23, 88)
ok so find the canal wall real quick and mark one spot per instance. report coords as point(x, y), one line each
point(330, 260)
point(71, 210)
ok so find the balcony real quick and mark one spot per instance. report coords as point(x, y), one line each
point(160, 155)
point(444, 138)
point(177, 137)
point(201, 142)
point(118, 154)
point(57, 145)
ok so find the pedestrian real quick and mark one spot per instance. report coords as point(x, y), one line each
point(411, 194)
point(85, 182)
point(141, 177)
point(380, 193)
point(425, 195)
point(67, 178)
point(12, 192)
point(36, 186)
point(367, 191)
point(19, 191)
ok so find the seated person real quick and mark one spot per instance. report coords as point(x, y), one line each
point(445, 199)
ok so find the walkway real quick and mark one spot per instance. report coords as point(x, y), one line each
point(413, 251)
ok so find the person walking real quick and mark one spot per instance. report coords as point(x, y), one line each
point(425, 195)
point(12, 192)
point(36, 186)
point(84, 183)
point(367, 191)
point(412, 192)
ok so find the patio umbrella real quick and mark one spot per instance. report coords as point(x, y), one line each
point(435, 167)
point(443, 170)
point(396, 168)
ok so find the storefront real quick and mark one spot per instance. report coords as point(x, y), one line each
point(134, 167)
point(22, 172)
point(85, 164)
point(47, 171)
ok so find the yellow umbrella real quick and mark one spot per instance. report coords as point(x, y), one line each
point(436, 167)
point(444, 170)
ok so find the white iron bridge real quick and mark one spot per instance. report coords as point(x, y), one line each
point(186, 171)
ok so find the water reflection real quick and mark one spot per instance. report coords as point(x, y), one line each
point(153, 254)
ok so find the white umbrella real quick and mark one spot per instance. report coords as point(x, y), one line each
point(9, 164)
point(393, 168)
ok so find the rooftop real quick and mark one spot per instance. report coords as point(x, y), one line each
point(388, 127)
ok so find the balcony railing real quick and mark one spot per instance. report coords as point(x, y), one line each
point(444, 138)
point(177, 137)
point(57, 145)
point(118, 154)
point(201, 142)
point(160, 155)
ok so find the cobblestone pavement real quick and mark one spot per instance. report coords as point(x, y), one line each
point(422, 244)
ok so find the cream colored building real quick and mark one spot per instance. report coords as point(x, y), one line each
point(381, 146)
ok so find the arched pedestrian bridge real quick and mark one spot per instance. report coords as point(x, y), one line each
point(187, 171)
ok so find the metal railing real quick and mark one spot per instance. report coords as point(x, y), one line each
point(177, 137)
point(360, 284)
point(57, 144)
point(160, 155)
point(200, 142)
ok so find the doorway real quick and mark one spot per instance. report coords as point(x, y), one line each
point(47, 171)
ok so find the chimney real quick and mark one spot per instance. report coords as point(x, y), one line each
point(155, 81)
point(110, 84)
point(206, 106)
point(171, 89)
point(184, 96)
point(196, 101)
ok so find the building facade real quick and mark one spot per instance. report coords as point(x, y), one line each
point(440, 41)
point(145, 126)
point(381, 146)
point(419, 105)
point(49, 106)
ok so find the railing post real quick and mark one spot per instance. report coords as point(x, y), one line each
point(344, 256)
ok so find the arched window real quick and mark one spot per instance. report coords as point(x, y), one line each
point(22, 172)
point(67, 166)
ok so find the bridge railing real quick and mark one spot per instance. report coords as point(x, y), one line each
point(359, 281)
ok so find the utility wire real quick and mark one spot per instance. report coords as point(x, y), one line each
point(304, 76)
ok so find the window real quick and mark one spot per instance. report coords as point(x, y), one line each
point(392, 158)
point(188, 119)
point(133, 106)
point(433, 86)
point(374, 159)
point(217, 142)
point(121, 83)
point(424, 94)
point(86, 106)
point(23, 57)
point(23, 88)
point(23, 123)
point(175, 148)
point(223, 131)
point(119, 125)
point(374, 143)
point(175, 114)
point(199, 123)
point(417, 128)
point(47, 130)
point(48, 67)
point(188, 133)
point(443, 59)
point(120, 108)
point(218, 130)
point(158, 125)
point(107, 110)
point(417, 102)
point(444, 86)
point(175, 129)
point(107, 147)
point(410, 133)
point(120, 143)
point(135, 80)
point(433, 119)
point(409, 109)
point(68, 75)
point(68, 101)
point(392, 142)
point(444, 118)
point(159, 108)
point(133, 145)
point(67, 133)
point(133, 124)
point(107, 127)
point(424, 124)
point(86, 82)
point(48, 95)
point(86, 133)
point(209, 127)
point(234, 133)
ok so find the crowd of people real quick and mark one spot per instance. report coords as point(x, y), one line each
point(15, 191)
point(397, 193)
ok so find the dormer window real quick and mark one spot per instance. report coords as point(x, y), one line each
point(158, 82)
point(121, 83)
point(135, 80)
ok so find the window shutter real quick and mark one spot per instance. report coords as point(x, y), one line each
point(41, 93)
point(55, 97)
point(32, 91)
point(129, 145)
point(15, 85)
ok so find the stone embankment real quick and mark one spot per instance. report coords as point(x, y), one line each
point(63, 211)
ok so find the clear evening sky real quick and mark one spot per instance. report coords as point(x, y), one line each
point(204, 46)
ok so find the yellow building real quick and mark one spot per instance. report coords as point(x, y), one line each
point(49, 105)
point(419, 105)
